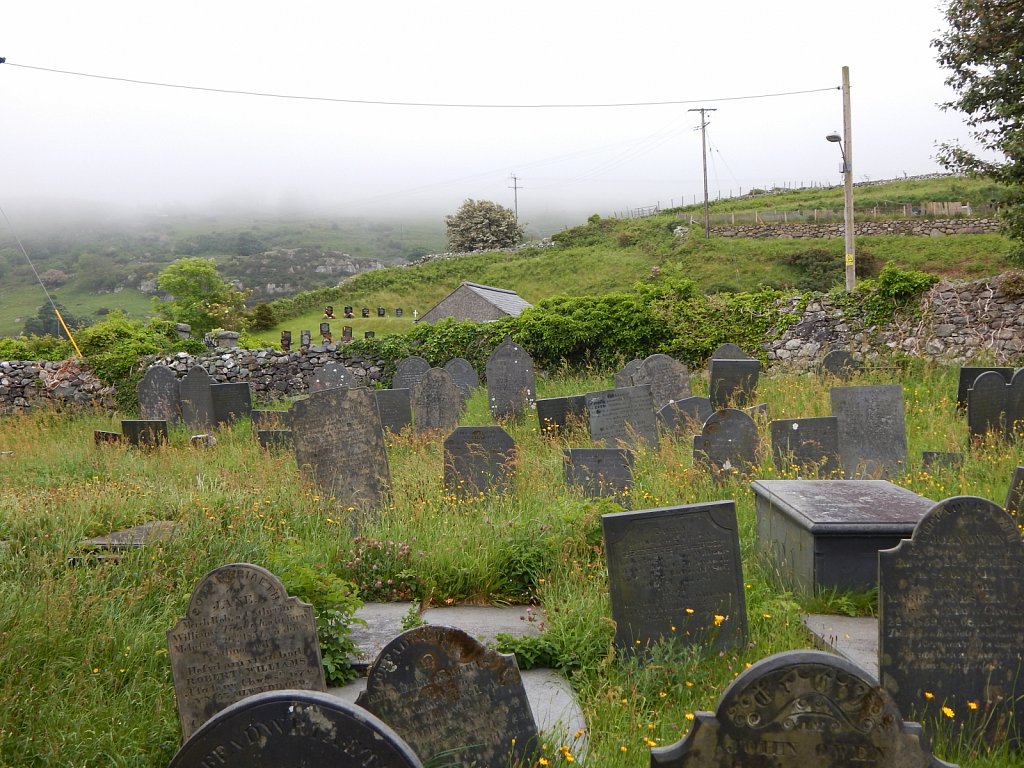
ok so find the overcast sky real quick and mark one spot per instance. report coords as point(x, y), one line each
point(67, 137)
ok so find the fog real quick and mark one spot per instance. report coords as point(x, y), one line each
point(147, 149)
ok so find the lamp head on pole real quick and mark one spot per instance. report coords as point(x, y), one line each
point(835, 138)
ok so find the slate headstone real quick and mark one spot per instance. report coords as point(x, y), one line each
point(464, 375)
point(732, 382)
point(436, 402)
point(197, 399)
point(556, 415)
point(275, 438)
point(305, 338)
point(231, 402)
point(669, 379)
point(685, 417)
point(332, 374)
point(479, 460)
point(727, 442)
point(286, 341)
point(451, 698)
point(1015, 493)
point(599, 472)
point(951, 617)
point(394, 406)
point(339, 442)
point(144, 433)
point(511, 383)
point(346, 333)
point(623, 417)
point(941, 460)
point(841, 364)
point(986, 405)
point(103, 437)
point(158, 395)
point(264, 419)
point(872, 432)
point(1015, 406)
point(294, 729)
point(624, 377)
point(809, 445)
point(674, 573)
point(409, 372)
point(241, 635)
point(968, 374)
point(801, 709)
point(729, 351)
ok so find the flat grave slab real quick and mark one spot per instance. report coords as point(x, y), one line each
point(825, 534)
point(853, 637)
point(134, 537)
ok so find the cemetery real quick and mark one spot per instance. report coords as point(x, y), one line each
point(672, 546)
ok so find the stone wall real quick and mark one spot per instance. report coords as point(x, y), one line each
point(919, 227)
point(25, 383)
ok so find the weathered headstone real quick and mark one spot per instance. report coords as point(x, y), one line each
point(732, 382)
point(264, 419)
point(669, 379)
point(231, 402)
point(409, 372)
point(479, 460)
point(339, 442)
point(103, 437)
point(624, 377)
point(395, 409)
point(951, 617)
point(305, 337)
point(464, 375)
point(872, 432)
point(331, 375)
point(599, 472)
point(241, 635)
point(806, 445)
point(986, 405)
point(294, 729)
point(727, 442)
point(197, 399)
point(729, 351)
point(275, 438)
point(1015, 493)
point(558, 414)
point(623, 416)
point(144, 433)
point(941, 460)
point(286, 341)
point(674, 573)
point(685, 417)
point(968, 374)
point(1015, 406)
point(841, 364)
point(801, 709)
point(444, 692)
point(436, 402)
point(511, 384)
point(158, 395)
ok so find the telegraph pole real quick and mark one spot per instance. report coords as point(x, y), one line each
point(704, 163)
point(515, 189)
point(851, 250)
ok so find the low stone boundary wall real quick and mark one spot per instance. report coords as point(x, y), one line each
point(918, 227)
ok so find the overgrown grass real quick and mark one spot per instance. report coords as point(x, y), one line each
point(86, 678)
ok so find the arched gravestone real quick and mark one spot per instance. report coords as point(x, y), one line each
point(452, 700)
point(158, 395)
point(511, 384)
point(732, 382)
point(967, 376)
point(669, 379)
point(1015, 406)
point(686, 416)
point(479, 460)
point(728, 441)
point(986, 405)
point(464, 375)
point(436, 402)
point(840, 363)
point(294, 729)
point(331, 375)
point(801, 709)
point(242, 635)
point(409, 373)
point(729, 351)
point(951, 617)
point(197, 399)
point(624, 377)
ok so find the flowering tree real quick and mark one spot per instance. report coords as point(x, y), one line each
point(480, 225)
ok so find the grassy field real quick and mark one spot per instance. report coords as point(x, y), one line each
point(86, 678)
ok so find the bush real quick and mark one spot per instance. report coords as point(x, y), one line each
point(480, 225)
point(263, 318)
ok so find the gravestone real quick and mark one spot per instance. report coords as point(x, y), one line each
point(264, 419)
point(144, 433)
point(685, 417)
point(986, 405)
point(479, 460)
point(951, 617)
point(339, 443)
point(968, 374)
point(669, 379)
point(368, 334)
point(394, 406)
point(399, 312)
point(801, 709)
point(558, 414)
point(452, 699)
point(599, 472)
point(872, 433)
point(294, 729)
point(158, 395)
point(331, 375)
point(1015, 406)
point(623, 417)
point(409, 373)
point(241, 635)
point(729, 351)
point(197, 399)
point(231, 402)
point(941, 460)
point(674, 573)
point(286, 341)
point(305, 337)
point(275, 438)
point(732, 382)
point(1015, 493)
point(727, 442)
point(806, 445)
point(840, 363)
point(103, 437)
point(381, 312)
point(346, 333)
point(511, 384)
point(436, 402)
point(464, 375)
point(624, 377)
point(365, 311)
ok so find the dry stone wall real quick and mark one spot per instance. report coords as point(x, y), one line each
point(917, 227)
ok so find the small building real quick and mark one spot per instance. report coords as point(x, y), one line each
point(479, 303)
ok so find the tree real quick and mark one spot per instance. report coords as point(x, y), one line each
point(984, 51)
point(480, 225)
point(199, 296)
point(45, 323)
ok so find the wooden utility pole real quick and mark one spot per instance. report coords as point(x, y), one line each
point(515, 192)
point(851, 257)
point(704, 164)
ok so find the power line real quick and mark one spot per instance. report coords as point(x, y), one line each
point(436, 105)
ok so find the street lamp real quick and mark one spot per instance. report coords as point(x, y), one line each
point(846, 150)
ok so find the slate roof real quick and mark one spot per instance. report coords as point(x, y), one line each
point(509, 302)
